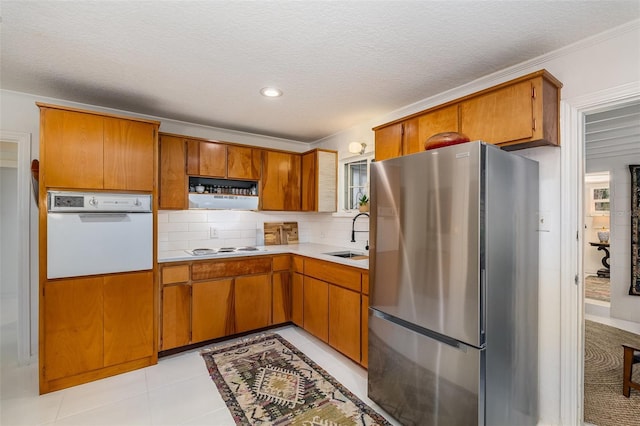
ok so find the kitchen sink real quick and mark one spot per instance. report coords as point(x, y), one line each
point(348, 254)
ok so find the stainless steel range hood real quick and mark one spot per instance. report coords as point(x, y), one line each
point(223, 202)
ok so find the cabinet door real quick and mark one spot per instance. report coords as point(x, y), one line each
point(364, 327)
point(128, 155)
point(434, 122)
point(206, 158)
point(243, 162)
point(211, 305)
point(411, 137)
point(73, 327)
point(282, 299)
point(309, 182)
point(389, 142)
point(344, 321)
point(173, 178)
point(297, 300)
point(316, 308)
point(176, 316)
point(128, 317)
point(280, 188)
point(499, 116)
point(72, 143)
point(252, 296)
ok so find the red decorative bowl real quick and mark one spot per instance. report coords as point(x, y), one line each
point(445, 139)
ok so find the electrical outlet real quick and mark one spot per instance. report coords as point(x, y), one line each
point(213, 232)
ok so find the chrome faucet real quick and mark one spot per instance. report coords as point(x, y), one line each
point(353, 225)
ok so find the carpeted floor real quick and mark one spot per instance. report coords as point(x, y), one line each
point(597, 288)
point(604, 404)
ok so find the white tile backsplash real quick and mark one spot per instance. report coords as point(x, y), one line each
point(189, 229)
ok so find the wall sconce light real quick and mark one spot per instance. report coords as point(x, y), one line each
point(357, 147)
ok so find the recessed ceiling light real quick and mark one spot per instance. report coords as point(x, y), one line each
point(271, 92)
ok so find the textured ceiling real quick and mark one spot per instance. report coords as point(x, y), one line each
point(339, 63)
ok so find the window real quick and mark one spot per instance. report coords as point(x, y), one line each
point(356, 182)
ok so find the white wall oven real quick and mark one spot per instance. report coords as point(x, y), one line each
point(91, 233)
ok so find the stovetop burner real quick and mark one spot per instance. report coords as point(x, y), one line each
point(221, 250)
point(248, 249)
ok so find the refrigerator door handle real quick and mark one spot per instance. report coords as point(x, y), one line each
point(420, 330)
point(483, 305)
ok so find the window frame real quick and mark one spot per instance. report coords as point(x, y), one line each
point(343, 179)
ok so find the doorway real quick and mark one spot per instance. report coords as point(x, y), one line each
point(15, 243)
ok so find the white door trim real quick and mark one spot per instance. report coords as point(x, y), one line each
point(24, 244)
point(571, 291)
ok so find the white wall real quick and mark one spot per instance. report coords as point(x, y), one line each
point(605, 61)
point(8, 233)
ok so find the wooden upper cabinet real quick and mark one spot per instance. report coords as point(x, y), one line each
point(87, 150)
point(71, 147)
point(206, 158)
point(319, 181)
point(280, 184)
point(128, 155)
point(243, 162)
point(397, 139)
point(173, 180)
point(517, 114)
point(434, 122)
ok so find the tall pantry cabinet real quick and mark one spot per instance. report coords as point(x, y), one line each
point(95, 326)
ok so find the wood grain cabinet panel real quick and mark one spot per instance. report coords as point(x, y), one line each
point(74, 327)
point(280, 184)
point(128, 317)
point(439, 121)
point(212, 304)
point(174, 274)
point(316, 308)
point(297, 299)
point(334, 273)
point(173, 178)
point(282, 297)
point(364, 357)
point(206, 158)
point(243, 162)
point(176, 316)
point(319, 181)
point(252, 297)
point(389, 142)
point(344, 321)
point(230, 268)
point(128, 155)
point(71, 148)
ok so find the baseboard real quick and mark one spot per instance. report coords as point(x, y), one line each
point(597, 308)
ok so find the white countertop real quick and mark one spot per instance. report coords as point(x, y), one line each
point(317, 251)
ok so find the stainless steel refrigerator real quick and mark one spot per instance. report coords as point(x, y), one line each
point(453, 322)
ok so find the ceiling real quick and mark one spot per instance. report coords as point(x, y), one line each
point(339, 63)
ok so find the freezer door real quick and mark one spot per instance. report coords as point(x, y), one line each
point(425, 261)
point(422, 381)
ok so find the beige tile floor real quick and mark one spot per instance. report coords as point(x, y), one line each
point(176, 391)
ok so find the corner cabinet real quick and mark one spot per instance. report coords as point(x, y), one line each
point(319, 180)
point(88, 150)
point(521, 113)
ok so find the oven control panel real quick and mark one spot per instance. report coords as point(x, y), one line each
point(78, 202)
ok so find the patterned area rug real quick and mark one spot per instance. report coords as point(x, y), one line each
point(604, 404)
point(266, 380)
point(597, 288)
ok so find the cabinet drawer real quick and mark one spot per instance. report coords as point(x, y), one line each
point(336, 274)
point(281, 263)
point(175, 274)
point(298, 264)
point(230, 268)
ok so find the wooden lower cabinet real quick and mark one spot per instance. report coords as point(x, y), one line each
point(128, 317)
point(73, 322)
point(96, 327)
point(297, 299)
point(344, 321)
point(364, 350)
point(176, 316)
point(211, 303)
point(252, 302)
point(281, 297)
point(316, 308)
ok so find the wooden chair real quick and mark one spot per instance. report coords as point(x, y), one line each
point(631, 356)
